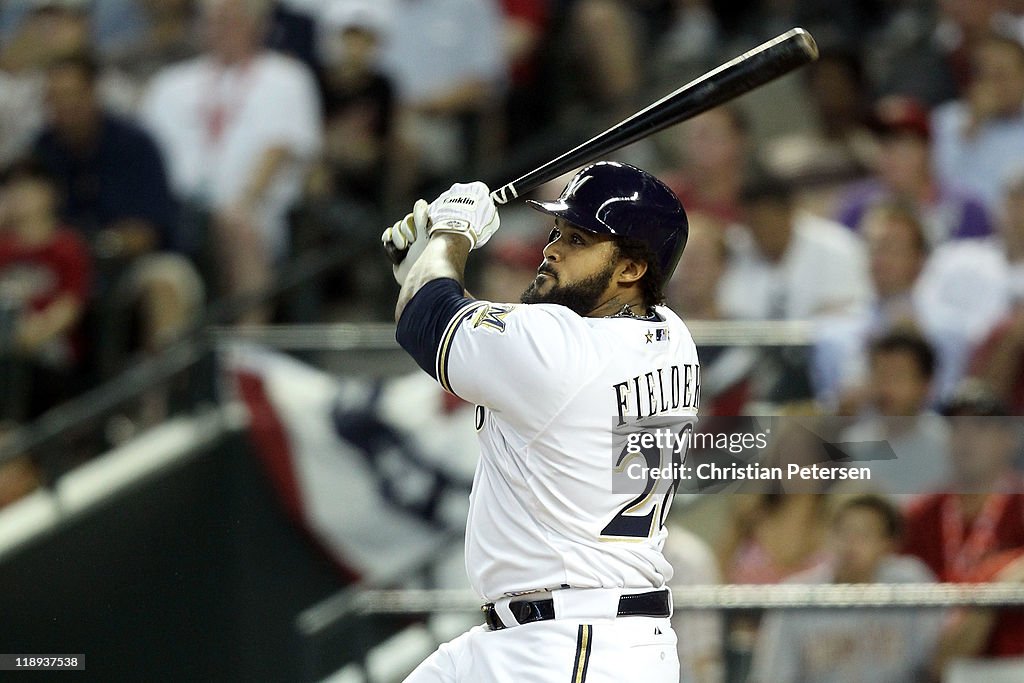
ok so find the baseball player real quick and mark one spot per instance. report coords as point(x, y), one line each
point(568, 561)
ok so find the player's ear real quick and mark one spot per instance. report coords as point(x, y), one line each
point(630, 271)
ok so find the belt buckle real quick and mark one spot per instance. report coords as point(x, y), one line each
point(525, 611)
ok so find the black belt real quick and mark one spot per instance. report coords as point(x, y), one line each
point(652, 604)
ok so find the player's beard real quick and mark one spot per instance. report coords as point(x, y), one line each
point(581, 297)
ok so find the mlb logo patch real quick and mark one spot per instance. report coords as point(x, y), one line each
point(661, 335)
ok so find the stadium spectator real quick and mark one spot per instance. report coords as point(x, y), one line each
point(161, 33)
point(903, 173)
point(979, 137)
point(897, 251)
point(713, 150)
point(924, 50)
point(510, 267)
point(526, 26)
point(237, 126)
point(769, 538)
point(110, 171)
point(980, 514)
point(293, 30)
point(952, 294)
point(838, 147)
point(689, 47)
point(999, 361)
point(902, 368)
point(772, 536)
point(449, 71)
point(607, 48)
point(112, 23)
point(787, 264)
point(963, 25)
point(358, 101)
point(822, 646)
point(44, 286)
point(37, 34)
point(693, 564)
point(726, 371)
point(975, 529)
point(897, 416)
point(115, 191)
point(1012, 231)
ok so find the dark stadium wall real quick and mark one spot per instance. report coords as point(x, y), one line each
point(194, 574)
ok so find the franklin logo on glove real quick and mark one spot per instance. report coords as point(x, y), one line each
point(466, 209)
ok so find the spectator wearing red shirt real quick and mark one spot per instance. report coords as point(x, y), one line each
point(44, 283)
point(974, 531)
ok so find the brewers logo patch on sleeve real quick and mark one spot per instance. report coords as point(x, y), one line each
point(492, 316)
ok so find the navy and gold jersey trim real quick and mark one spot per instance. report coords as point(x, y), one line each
point(428, 315)
point(584, 643)
point(444, 348)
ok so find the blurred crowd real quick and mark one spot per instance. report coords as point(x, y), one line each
point(158, 156)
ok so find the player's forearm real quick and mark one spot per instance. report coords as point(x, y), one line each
point(444, 257)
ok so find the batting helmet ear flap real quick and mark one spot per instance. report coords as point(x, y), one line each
point(613, 198)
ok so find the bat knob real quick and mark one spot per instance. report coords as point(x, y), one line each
point(395, 255)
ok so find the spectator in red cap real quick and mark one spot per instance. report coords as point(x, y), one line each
point(903, 173)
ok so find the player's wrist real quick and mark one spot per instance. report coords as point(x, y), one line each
point(453, 236)
point(454, 239)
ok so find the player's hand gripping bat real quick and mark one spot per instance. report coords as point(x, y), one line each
point(765, 63)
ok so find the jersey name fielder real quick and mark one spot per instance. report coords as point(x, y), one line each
point(558, 396)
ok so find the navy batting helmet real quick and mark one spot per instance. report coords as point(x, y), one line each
point(613, 198)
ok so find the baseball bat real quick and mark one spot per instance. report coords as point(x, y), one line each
point(752, 69)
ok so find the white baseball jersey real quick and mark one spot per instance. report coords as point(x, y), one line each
point(558, 394)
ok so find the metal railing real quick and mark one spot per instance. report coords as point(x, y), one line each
point(372, 336)
point(718, 596)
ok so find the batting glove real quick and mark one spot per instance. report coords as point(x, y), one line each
point(408, 235)
point(465, 209)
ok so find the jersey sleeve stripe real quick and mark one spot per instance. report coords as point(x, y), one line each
point(443, 349)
